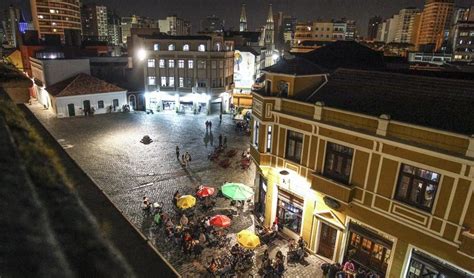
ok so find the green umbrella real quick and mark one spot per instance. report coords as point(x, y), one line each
point(157, 218)
point(237, 191)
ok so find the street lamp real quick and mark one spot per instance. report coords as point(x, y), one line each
point(141, 54)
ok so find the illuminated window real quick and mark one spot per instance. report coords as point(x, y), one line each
point(151, 80)
point(170, 64)
point(51, 11)
point(269, 138)
point(151, 63)
point(186, 47)
point(181, 82)
point(171, 83)
point(181, 64)
point(156, 47)
point(163, 81)
point(171, 47)
point(417, 187)
point(201, 48)
point(41, 16)
point(162, 63)
point(190, 64)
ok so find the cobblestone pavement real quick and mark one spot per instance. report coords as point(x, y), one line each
point(108, 149)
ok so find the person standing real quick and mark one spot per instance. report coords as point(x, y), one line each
point(220, 118)
point(207, 125)
point(210, 125)
point(220, 140)
point(177, 152)
point(187, 158)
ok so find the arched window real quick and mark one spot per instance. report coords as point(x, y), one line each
point(217, 47)
point(156, 47)
point(186, 47)
point(202, 48)
point(171, 47)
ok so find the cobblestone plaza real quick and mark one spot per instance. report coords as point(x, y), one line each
point(108, 148)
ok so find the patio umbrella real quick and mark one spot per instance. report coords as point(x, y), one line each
point(186, 201)
point(248, 239)
point(157, 218)
point(220, 221)
point(237, 191)
point(205, 191)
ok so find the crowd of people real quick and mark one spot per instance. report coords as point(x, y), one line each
point(347, 270)
point(238, 259)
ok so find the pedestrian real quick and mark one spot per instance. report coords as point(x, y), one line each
point(183, 160)
point(177, 152)
point(207, 125)
point(210, 124)
point(225, 141)
point(187, 157)
point(220, 118)
point(184, 220)
point(220, 140)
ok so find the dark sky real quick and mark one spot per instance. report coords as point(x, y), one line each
point(229, 10)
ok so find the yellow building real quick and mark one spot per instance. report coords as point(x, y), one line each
point(371, 166)
point(435, 20)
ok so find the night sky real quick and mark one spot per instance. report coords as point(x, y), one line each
point(229, 10)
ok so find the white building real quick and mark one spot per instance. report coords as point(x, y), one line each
point(74, 96)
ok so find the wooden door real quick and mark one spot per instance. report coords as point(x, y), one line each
point(71, 110)
point(327, 241)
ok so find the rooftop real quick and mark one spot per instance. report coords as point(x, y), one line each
point(163, 36)
point(82, 84)
point(295, 66)
point(444, 104)
point(345, 54)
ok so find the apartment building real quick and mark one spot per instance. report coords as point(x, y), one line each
point(370, 166)
point(435, 21)
point(185, 72)
point(94, 22)
point(54, 17)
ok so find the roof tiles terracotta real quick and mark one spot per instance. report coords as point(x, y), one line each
point(81, 84)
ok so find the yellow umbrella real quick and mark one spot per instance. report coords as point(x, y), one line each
point(186, 201)
point(248, 239)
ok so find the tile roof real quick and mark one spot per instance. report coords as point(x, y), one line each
point(163, 36)
point(345, 54)
point(444, 104)
point(295, 66)
point(81, 84)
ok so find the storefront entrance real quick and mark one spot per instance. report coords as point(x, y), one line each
point(423, 265)
point(327, 241)
point(168, 105)
point(368, 249)
point(290, 212)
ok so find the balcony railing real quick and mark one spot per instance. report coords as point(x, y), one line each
point(332, 188)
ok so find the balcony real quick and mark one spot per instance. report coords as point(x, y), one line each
point(333, 189)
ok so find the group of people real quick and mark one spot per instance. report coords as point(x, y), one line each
point(347, 270)
point(238, 259)
point(208, 125)
point(184, 159)
point(273, 267)
point(296, 250)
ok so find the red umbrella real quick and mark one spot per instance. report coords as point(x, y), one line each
point(205, 191)
point(220, 221)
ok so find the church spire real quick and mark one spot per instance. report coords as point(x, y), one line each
point(270, 14)
point(243, 19)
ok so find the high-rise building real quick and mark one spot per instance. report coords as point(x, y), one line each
point(435, 21)
point(289, 26)
point(126, 24)
point(351, 30)
point(94, 22)
point(175, 26)
point(269, 39)
point(114, 35)
point(243, 20)
point(10, 20)
point(374, 23)
point(404, 32)
point(463, 42)
point(53, 17)
point(212, 24)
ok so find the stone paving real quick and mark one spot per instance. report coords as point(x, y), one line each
point(108, 149)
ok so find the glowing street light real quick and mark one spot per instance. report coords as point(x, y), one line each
point(141, 54)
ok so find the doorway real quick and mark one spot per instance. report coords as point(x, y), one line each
point(71, 110)
point(327, 241)
point(87, 105)
point(132, 102)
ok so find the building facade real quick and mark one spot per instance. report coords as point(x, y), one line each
point(406, 28)
point(386, 191)
point(193, 73)
point(374, 23)
point(114, 34)
point(94, 22)
point(435, 21)
point(10, 21)
point(175, 26)
point(54, 17)
point(463, 41)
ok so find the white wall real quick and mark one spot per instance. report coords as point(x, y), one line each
point(56, 70)
point(62, 103)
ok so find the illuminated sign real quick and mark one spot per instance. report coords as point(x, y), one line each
point(244, 70)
